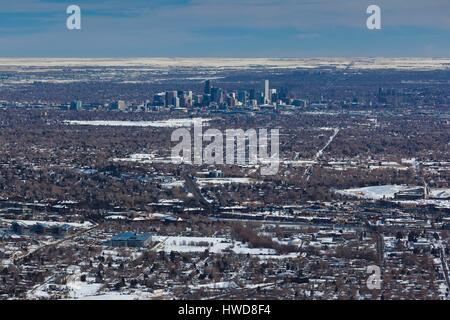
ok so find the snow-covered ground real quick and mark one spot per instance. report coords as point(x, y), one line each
point(173, 184)
point(233, 63)
point(200, 244)
point(222, 181)
point(444, 204)
point(146, 158)
point(136, 295)
point(440, 193)
point(75, 289)
point(84, 225)
point(438, 197)
point(79, 289)
point(216, 285)
point(171, 123)
point(375, 193)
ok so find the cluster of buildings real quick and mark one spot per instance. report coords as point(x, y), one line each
point(217, 98)
point(214, 98)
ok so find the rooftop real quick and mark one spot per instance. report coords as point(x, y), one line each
point(126, 236)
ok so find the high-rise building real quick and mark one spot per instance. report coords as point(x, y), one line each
point(231, 101)
point(207, 87)
point(242, 96)
point(76, 105)
point(159, 99)
point(170, 98)
point(121, 105)
point(206, 100)
point(267, 94)
point(216, 95)
point(283, 93)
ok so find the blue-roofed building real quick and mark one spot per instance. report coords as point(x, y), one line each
point(130, 239)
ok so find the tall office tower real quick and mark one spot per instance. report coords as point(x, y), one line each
point(159, 99)
point(167, 99)
point(216, 95)
point(207, 87)
point(222, 96)
point(242, 96)
point(273, 95)
point(121, 105)
point(231, 101)
point(283, 94)
point(267, 95)
point(206, 100)
point(170, 98)
point(76, 105)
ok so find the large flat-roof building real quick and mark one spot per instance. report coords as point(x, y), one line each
point(130, 239)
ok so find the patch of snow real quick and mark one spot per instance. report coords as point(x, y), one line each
point(171, 123)
point(374, 193)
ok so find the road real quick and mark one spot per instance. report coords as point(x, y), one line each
point(282, 223)
point(193, 188)
point(444, 266)
point(380, 249)
point(308, 170)
point(53, 244)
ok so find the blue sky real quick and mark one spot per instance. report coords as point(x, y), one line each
point(224, 28)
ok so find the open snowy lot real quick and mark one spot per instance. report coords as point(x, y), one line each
point(201, 244)
point(374, 193)
point(171, 123)
point(222, 181)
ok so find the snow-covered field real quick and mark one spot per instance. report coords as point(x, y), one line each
point(136, 295)
point(233, 63)
point(200, 244)
point(444, 204)
point(437, 196)
point(75, 289)
point(222, 181)
point(440, 193)
point(375, 193)
point(147, 158)
point(216, 285)
point(84, 225)
point(171, 123)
